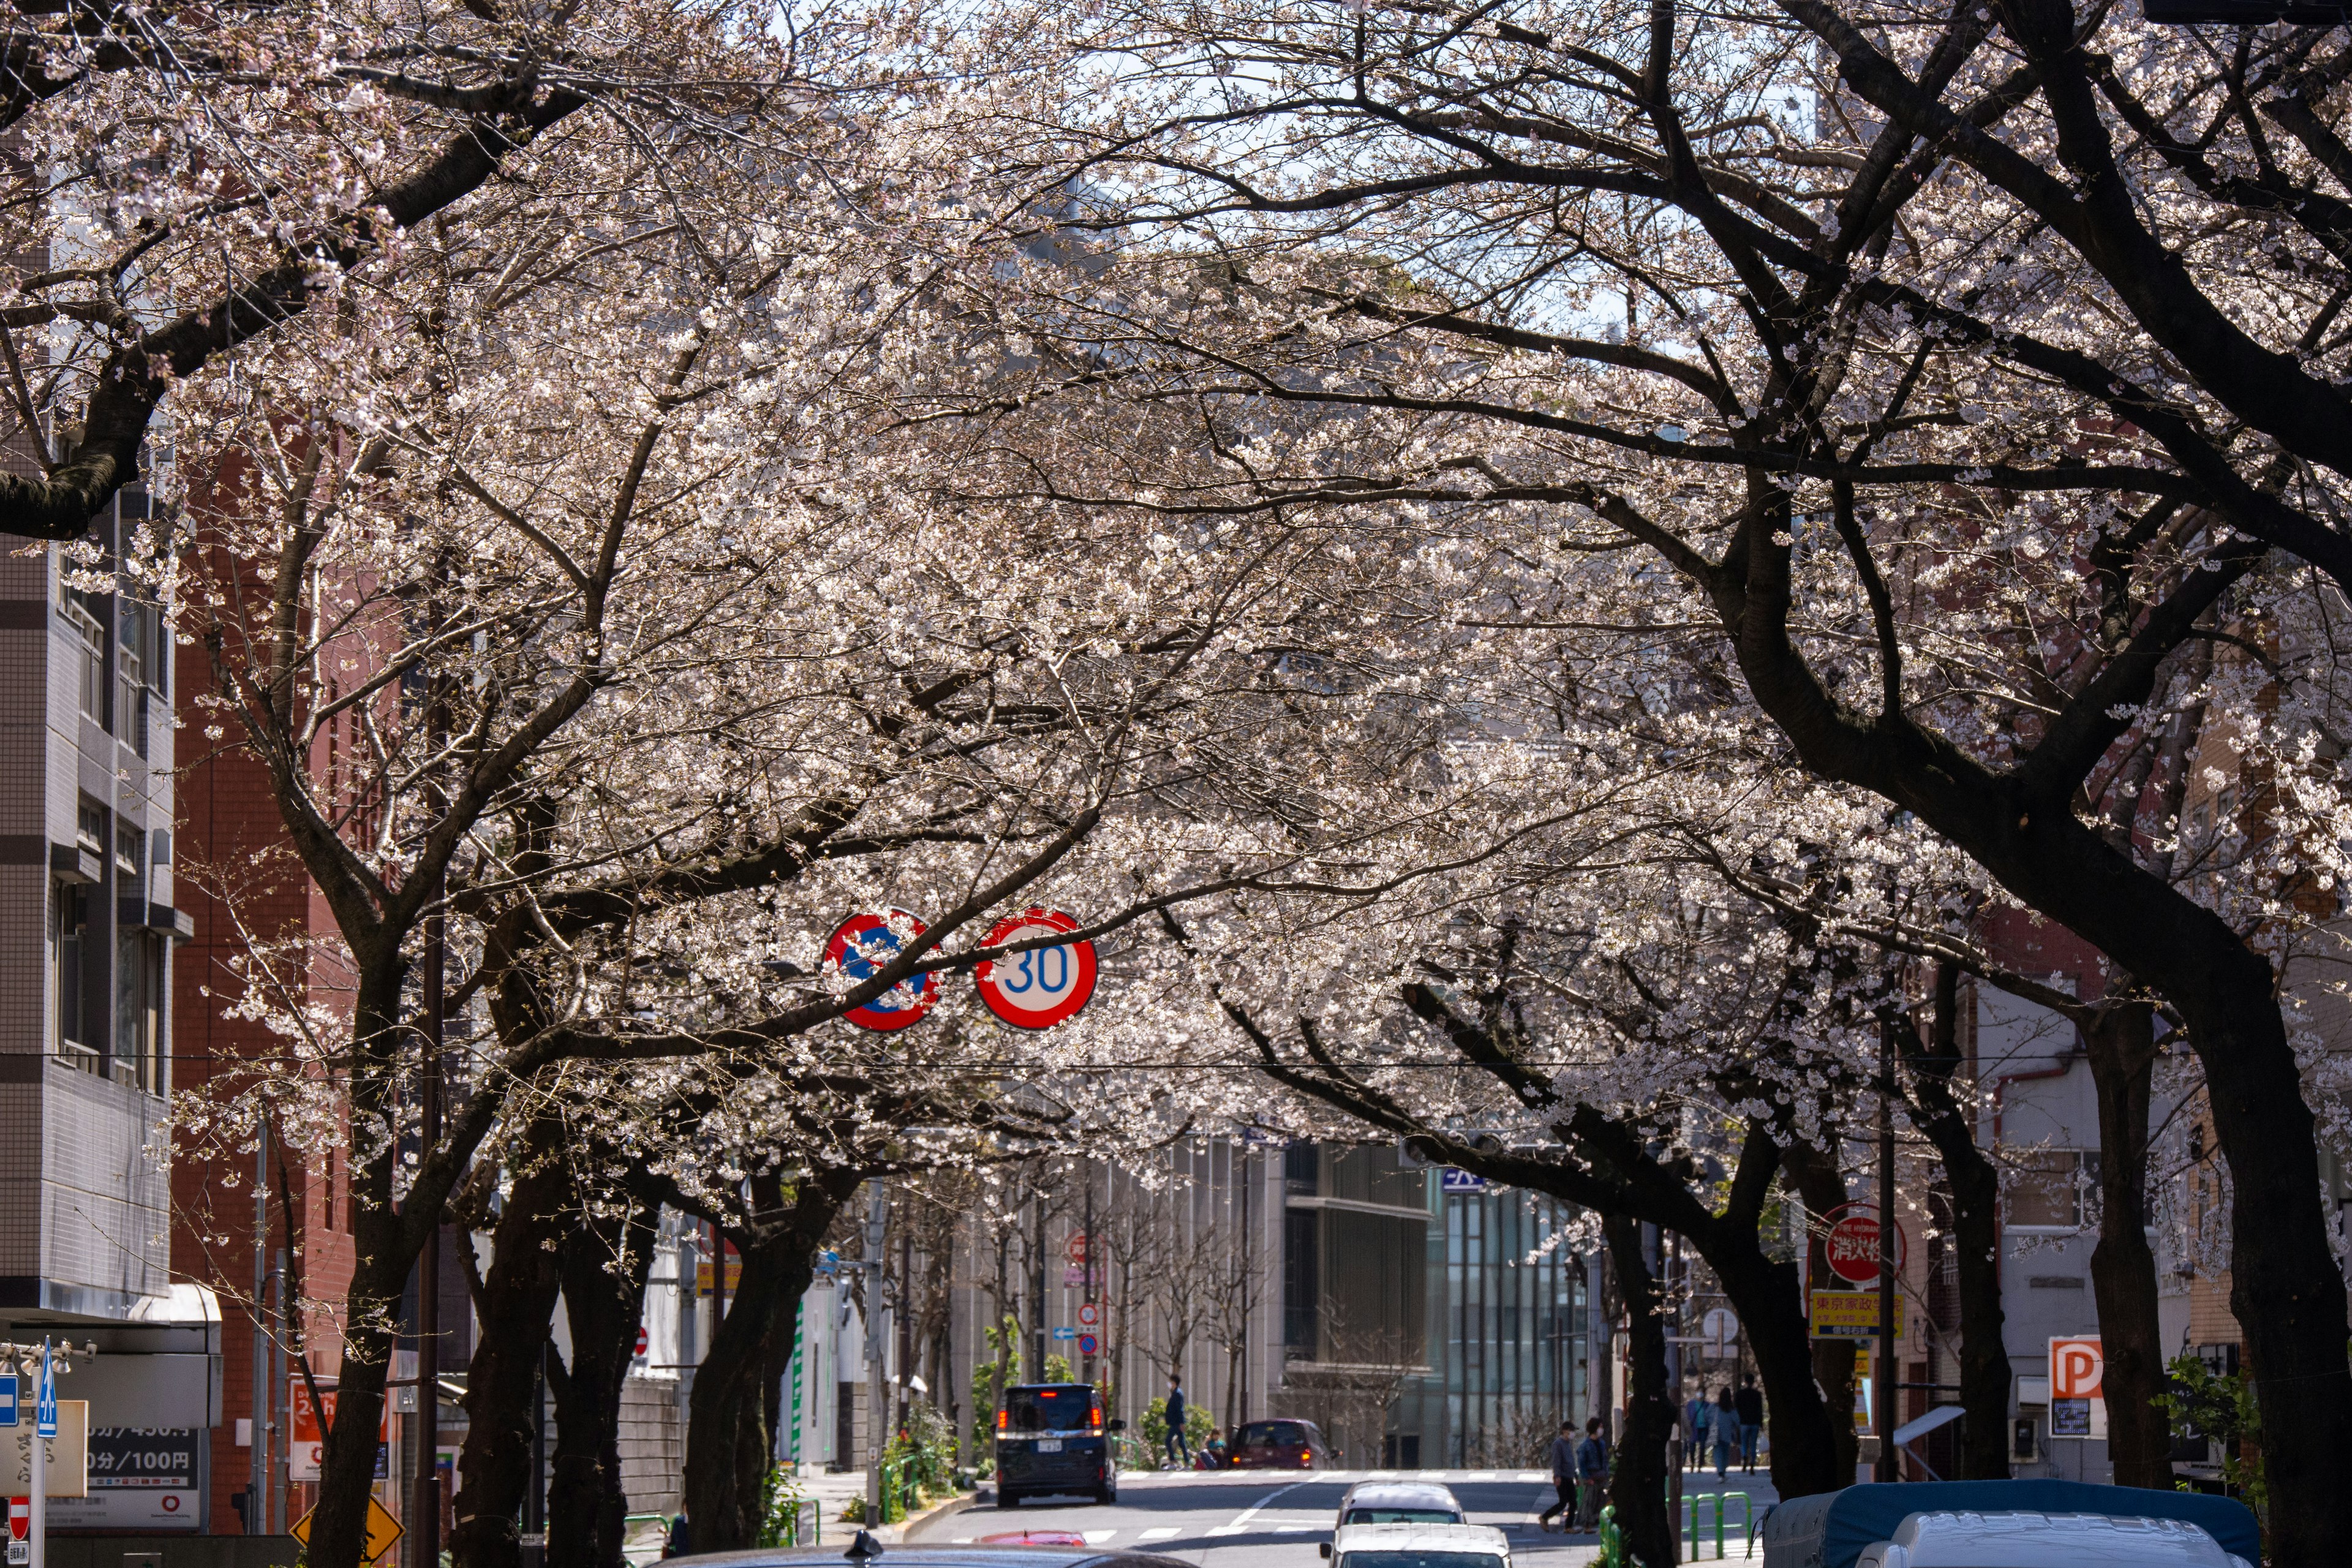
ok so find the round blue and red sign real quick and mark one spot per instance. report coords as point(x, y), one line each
point(861, 947)
point(1040, 986)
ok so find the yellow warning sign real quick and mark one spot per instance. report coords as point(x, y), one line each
point(1850, 1315)
point(383, 1532)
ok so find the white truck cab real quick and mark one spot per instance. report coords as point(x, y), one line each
point(2029, 1540)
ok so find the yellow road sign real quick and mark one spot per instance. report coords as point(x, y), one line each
point(383, 1532)
point(1850, 1315)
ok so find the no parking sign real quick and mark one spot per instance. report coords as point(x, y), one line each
point(861, 947)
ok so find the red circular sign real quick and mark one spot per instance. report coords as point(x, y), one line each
point(1075, 1249)
point(860, 946)
point(642, 1342)
point(1039, 987)
point(1849, 1245)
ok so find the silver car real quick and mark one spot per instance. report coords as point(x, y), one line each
point(1398, 1502)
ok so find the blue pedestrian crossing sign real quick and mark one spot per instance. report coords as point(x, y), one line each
point(45, 1411)
point(1449, 1180)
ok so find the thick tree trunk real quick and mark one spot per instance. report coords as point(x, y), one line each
point(2121, 1038)
point(1815, 1175)
point(604, 1262)
point(605, 1303)
point(1948, 1116)
point(2286, 1292)
point(502, 1381)
point(384, 1246)
point(727, 1443)
point(1637, 1490)
point(1770, 1299)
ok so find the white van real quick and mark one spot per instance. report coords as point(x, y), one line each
point(1419, 1546)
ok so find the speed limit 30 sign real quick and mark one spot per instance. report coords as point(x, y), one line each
point(1040, 986)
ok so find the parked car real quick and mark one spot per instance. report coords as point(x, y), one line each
point(1969, 1524)
point(922, 1556)
point(1398, 1502)
point(1276, 1445)
point(1419, 1546)
point(1051, 1437)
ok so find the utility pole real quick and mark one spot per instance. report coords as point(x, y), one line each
point(424, 1522)
point(257, 1485)
point(1883, 1370)
point(877, 1223)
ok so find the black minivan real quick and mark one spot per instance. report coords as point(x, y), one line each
point(1050, 1437)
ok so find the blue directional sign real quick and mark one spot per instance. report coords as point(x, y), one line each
point(44, 1412)
point(1449, 1180)
point(1065, 1333)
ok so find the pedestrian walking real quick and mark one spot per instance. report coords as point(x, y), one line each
point(1726, 1423)
point(1695, 1419)
point(1750, 1401)
point(1591, 1474)
point(1563, 1478)
point(1179, 1448)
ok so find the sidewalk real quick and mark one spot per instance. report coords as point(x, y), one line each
point(831, 1491)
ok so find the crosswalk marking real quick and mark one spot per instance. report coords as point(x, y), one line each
point(1096, 1537)
point(1160, 1532)
point(1227, 1528)
point(1533, 1475)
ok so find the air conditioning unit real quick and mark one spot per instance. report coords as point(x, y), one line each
point(2023, 1448)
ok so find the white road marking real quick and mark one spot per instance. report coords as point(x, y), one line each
point(960, 1541)
point(1096, 1537)
point(1160, 1532)
point(1533, 1475)
point(1257, 1507)
point(1480, 1476)
point(1292, 1528)
point(1224, 1530)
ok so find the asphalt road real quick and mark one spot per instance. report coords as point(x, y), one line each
point(1272, 1519)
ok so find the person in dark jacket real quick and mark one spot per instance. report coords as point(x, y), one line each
point(1179, 1448)
point(1563, 1477)
point(681, 1537)
point(1591, 1474)
point(1750, 1402)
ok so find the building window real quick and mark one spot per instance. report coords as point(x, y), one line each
point(2052, 1187)
point(138, 1010)
point(138, 670)
point(130, 860)
point(89, 824)
point(69, 935)
point(89, 640)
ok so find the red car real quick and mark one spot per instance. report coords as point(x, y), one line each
point(1276, 1445)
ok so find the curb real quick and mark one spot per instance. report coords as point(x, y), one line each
point(904, 1531)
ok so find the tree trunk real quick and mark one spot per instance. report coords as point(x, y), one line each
point(1815, 1175)
point(1948, 1118)
point(2121, 1038)
point(1637, 1489)
point(384, 1246)
point(727, 1443)
point(1769, 1296)
point(502, 1381)
point(604, 1262)
point(2285, 1290)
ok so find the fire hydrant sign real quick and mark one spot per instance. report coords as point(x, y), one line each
point(67, 1458)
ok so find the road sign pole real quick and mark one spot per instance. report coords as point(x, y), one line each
point(45, 1426)
point(1883, 1363)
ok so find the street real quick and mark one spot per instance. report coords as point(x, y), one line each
point(1267, 1519)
